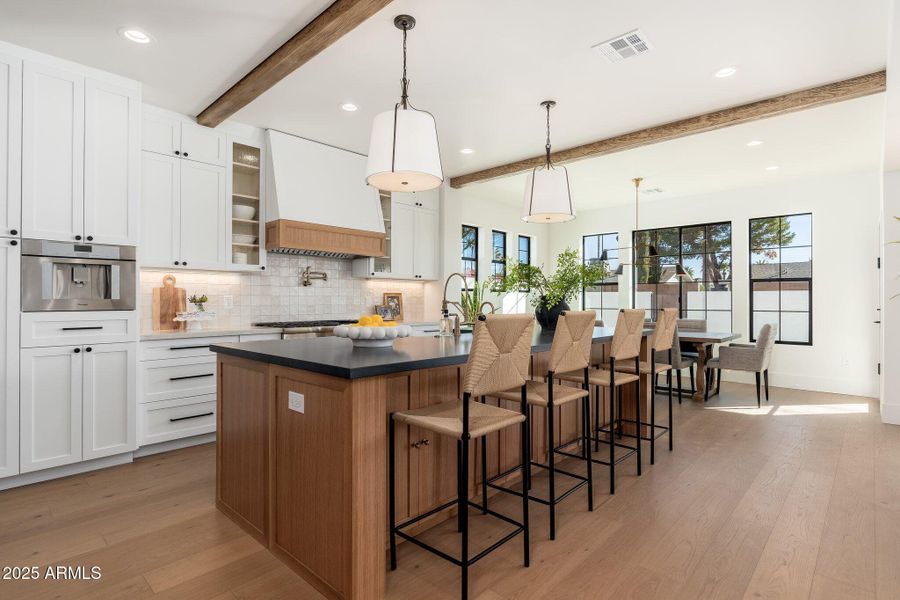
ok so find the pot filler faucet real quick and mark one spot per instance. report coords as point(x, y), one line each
point(307, 276)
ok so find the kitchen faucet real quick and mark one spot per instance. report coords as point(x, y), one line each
point(307, 276)
point(446, 304)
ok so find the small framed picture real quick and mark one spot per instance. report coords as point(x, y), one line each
point(383, 311)
point(393, 302)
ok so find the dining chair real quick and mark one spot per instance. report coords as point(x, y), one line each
point(752, 358)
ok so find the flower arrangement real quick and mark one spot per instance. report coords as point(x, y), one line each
point(198, 301)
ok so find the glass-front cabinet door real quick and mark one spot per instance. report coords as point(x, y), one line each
point(246, 224)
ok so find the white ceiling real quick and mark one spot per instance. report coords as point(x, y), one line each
point(480, 66)
point(838, 138)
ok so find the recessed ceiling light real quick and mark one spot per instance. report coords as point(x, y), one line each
point(349, 107)
point(466, 151)
point(725, 72)
point(135, 35)
point(753, 143)
point(772, 168)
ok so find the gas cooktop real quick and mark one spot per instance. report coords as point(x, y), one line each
point(296, 324)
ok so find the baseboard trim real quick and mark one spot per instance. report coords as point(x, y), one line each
point(170, 445)
point(65, 471)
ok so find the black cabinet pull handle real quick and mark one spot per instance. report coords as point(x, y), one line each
point(209, 414)
point(81, 328)
point(90, 238)
point(191, 376)
point(188, 347)
point(78, 238)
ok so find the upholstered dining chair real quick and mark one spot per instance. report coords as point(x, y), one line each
point(751, 358)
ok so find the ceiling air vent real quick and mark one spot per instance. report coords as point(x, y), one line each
point(624, 46)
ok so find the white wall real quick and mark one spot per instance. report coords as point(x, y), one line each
point(845, 210)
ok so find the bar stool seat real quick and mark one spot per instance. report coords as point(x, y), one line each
point(600, 376)
point(537, 393)
point(446, 418)
point(646, 368)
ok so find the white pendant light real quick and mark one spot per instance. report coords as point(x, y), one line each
point(548, 191)
point(403, 149)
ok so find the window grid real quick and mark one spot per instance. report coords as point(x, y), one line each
point(498, 255)
point(705, 252)
point(602, 297)
point(470, 255)
point(525, 257)
point(770, 237)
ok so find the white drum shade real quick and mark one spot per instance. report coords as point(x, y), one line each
point(548, 196)
point(403, 152)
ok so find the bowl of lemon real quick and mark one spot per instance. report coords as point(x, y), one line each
point(371, 331)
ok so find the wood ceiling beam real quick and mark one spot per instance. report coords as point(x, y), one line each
point(848, 89)
point(333, 23)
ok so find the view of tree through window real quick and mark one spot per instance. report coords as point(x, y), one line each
point(704, 292)
point(498, 255)
point(470, 255)
point(781, 276)
point(604, 296)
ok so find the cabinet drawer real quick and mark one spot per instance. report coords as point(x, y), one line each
point(181, 347)
point(63, 329)
point(173, 419)
point(179, 378)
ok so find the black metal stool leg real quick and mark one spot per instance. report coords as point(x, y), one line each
point(652, 418)
point(670, 408)
point(586, 440)
point(637, 405)
point(392, 499)
point(464, 517)
point(484, 476)
point(612, 434)
point(597, 418)
point(526, 470)
point(459, 478)
point(552, 467)
point(678, 375)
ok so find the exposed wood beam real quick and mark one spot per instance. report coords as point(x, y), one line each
point(848, 89)
point(332, 24)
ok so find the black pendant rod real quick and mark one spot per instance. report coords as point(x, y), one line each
point(404, 23)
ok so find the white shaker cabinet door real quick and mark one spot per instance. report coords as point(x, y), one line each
point(427, 235)
point(109, 399)
point(203, 144)
point(160, 210)
point(160, 133)
point(9, 357)
point(52, 153)
point(111, 163)
point(403, 240)
point(10, 145)
point(202, 215)
point(50, 407)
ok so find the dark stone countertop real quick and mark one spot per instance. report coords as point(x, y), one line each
point(337, 356)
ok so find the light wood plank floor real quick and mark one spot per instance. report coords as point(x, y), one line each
point(800, 499)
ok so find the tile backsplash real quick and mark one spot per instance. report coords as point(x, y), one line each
point(277, 295)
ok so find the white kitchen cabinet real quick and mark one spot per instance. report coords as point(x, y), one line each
point(173, 135)
point(10, 146)
point(9, 356)
point(202, 215)
point(111, 163)
point(109, 399)
point(403, 240)
point(50, 407)
point(427, 225)
point(429, 199)
point(182, 212)
point(52, 153)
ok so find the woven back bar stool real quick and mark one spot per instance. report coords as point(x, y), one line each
point(625, 346)
point(498, 361)
point(569, 352)
point(661, 343)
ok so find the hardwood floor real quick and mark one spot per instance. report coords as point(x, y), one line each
point(799, 499)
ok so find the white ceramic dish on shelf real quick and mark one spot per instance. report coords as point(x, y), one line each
point(242, 211)
point(239, 258)
point(243, 238)
point(372, 337)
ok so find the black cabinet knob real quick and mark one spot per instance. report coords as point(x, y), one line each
point(14, 243)
point(185, 154)
point(77, 350)
point(88, 349)
point(13, 232)
point(177, 153)
point(176, 263)
point(77, 238)
point(263, 268)
point(184, 262)
point(90, 238)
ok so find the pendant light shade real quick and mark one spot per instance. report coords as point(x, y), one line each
point(403, 152)
point(548, 191)
point(403, 149)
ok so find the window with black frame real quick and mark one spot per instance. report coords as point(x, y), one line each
point(703, 290)
point(781, 277)
point(470, 255)
point(603, 296)
point(498, 255)
point(524, 256)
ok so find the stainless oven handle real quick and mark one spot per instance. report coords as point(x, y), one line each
point(81, 328)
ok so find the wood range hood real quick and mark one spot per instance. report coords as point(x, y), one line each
point(318, 202)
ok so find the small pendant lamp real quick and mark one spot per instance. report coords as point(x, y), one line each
point(548, 192)
point(403, 150)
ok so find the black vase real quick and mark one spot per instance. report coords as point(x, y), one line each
point(547, 317)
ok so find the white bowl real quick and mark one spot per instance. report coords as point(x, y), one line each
point(242, 211)
point(372, 337)
point(243, 238)
point(239, 258)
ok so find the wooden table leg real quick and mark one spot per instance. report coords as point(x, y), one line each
point(701, 370)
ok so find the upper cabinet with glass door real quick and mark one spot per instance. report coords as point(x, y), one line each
point(246, 223)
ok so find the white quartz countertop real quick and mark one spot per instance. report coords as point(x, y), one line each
point(202, 333)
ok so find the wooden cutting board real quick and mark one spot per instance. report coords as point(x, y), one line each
point(167, 301)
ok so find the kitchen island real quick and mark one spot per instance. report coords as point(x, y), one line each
point(302, 446)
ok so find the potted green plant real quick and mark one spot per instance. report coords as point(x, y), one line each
point(550, 295)
point(199, 300)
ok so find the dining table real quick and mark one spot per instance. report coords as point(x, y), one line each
point(703, 341)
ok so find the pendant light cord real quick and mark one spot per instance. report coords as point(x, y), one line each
point(404, 84)
point(547, 147)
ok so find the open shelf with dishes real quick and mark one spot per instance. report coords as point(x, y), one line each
point(246, 227)
point(382, 264)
